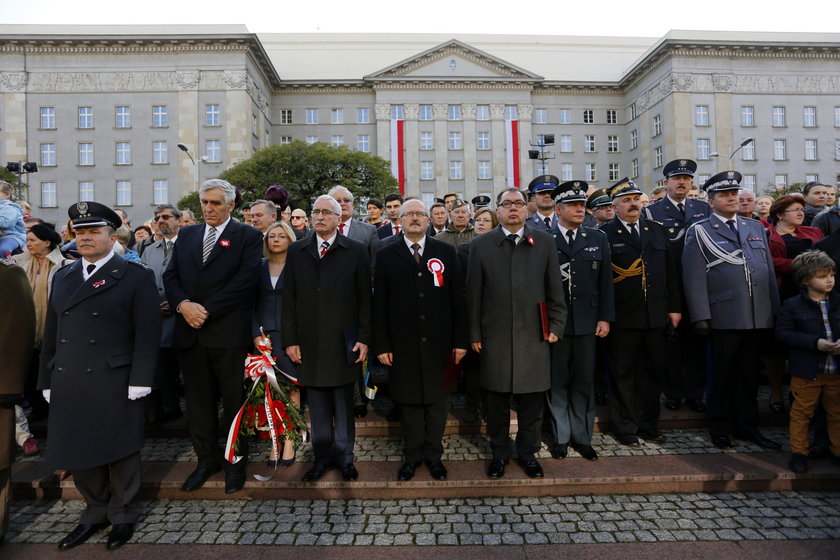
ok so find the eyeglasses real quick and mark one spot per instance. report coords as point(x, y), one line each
point(507, 204)
point(324, 212)
point(298, 217)
point(414, 215)
point(797, 211)
point(163, 217)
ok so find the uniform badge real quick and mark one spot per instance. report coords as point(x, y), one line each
point(590, 249)
point(97, 284)
point(224, 243)
point(436, 267)
point(530, 240)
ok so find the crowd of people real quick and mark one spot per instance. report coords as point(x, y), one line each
point(547, 301)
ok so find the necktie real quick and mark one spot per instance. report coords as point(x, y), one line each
point(570, 235)
point(167, 247)
point(396, 230)
point(547, 221)
point(324, 248)
point(90, 269)
point(681, 206)
point(341, 228)
point(633, 231)
point(512, 237)
point(416, 248)
point(209, 241)
point(731, 224)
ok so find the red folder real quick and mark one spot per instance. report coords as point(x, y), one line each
point(544, 320)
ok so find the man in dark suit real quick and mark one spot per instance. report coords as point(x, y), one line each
point(392, 211)
point(210, 283)
point(513, 275)
point(419, 322)
point(647, 299)
point(585, 267)
point(100, 346)
point(326, 328)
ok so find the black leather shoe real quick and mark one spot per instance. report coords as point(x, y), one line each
point(673, 403)
point(558, 450)
point(600, 398)
point(349, 473)
point(626, 439)
point(80, 534)
point(437, 470)
point(315, 473)
point(198, 477)
point(496, 468)
point(407, 471)
point(653, 436)
point(120, 534)
point(360, 411)
point(798, 463)
point(532, 468)
point(761, 441)
point(234, 480)
point(721, 442)
point(585, 451)
point(697, 405)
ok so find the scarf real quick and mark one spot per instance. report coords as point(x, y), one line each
point(38, 273)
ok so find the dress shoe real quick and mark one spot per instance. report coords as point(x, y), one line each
point(627, 439)
point(798, 463)
point(496, 468)
point(673, 403)
point(360, 410)
point(532, 468)
point(653, 436)
point(558, 450)
point(721, 442)
point(234, 480)
point(436, 469)
point(198, 477)
point(80, 534)
point(407, 471)
point(697, 405)
point(349, 473)
point(761, 441)
point(777, 407)
point(315, 473)
point(119, 535)
point(600, 398)
point(585, 451)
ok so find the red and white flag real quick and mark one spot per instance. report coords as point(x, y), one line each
point(512, 146)
point(398, 152)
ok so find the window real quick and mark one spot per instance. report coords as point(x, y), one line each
point(612, 144)
point(363, 143)
point(837, 149)
point(47, 118)
point(160, 118)
point(510, 113)
point(426, 113)
point(810, 150)
point(657, 156)
point(809, 116)
point(701, 115)
point(779, 149)
point(701, 179)
point(614, 172)
point(213, 150)
point(85, 190)
point(778, 116)
point(48, 155)
point(49, 195)
point(748, 182)
point(397, 112)
point(541, 116)
point(780, 181)
point(566, 172)
point(837, 116)
point(703, 150)
point(588, 116)
point(160, 152)
point(748, 152)
point(427, 170)
point(588, 143)
point(285, 116)
point(634, 168)
point(123, 193)
point(565, 117)
point(541, 143)
point(312, 116)
point(566, 143)
point(456, 170)
point(86, 153)
point(85, 117)
point(612, 116)
point(484, 170)
point(122, 116)
point(482, 112)
point(123, 153)
point(811, 177)
point(212, 115)
point(591, 175)
point(337, 140)
point(285, 140)
point(747, 116)
point(455, 141)
point(657, 125)
point(337, 116)
point(311, 139)
point(363, 115)
point(634, 139)
point(454, 113)
point(634, 111)
point(426, 142)
point(160, 191)
point(482, 141)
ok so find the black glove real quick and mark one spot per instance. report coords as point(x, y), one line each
point(9, 401)
point(702, 327)
point(671, 334)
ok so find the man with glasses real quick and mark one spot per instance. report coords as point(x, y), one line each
point(300, 222)
point(516, 309)
point(541, 188)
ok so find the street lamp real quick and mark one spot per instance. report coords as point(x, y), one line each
point(744, 142)
point(183, 148)
point(21, 167)
point(540, 153)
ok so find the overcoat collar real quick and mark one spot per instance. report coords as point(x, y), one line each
point(500, 237)
point(313, 242)
point(101, 281)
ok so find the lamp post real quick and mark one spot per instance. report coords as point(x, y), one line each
point(744, 142)
point(21, 167)
point(183, 148)
point(541, 153)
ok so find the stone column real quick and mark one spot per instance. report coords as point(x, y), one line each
point(186, 82)
point(497, 137)
point(523, 114)
point(441, 144)
point(383, 130)
point(411, 137)
point(470, 152)
point(13, 89)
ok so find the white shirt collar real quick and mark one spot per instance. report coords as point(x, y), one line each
point(519, 234)
point(724, 220)
point(347, 225)
point(627, 225)
point(331, 240)
point(219, 229)
point(98, 264)
point(674, 202)
point(409, 243)
point(564, 230)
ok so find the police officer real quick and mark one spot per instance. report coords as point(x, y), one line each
point(99, 355)
point(584, 258)
point(480, 201)
point(686, 378)
point(647, 299)
point(541, 189)
point(732, 296)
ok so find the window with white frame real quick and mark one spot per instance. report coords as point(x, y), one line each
point(701, 179)
point(589, 143)
point(703, 148)
point(634, 111)
point(634, 139)
point(591, 174)
point(160, 151)
point(747, 115)
point(658, 156)
point(337, 116)
point(213, 150)
point(426, 113)
point(311, 139)
point(482, 141)
point(212, 115)
point(48, 155)
point(837, 116)
point(426, 141)
point(779, 149)
point(482, 112)
point(49, 194)
point(397, 112)
point(566, 143)
point(541, 116)
point(612, 144)
point(123, 153)
point(86, 153)
point(565, 117)
point(363, 143)
point(454, 113)
point(780, 181)
point(285, 116)
point(312, 116)
point(456, 170)
point(657, 125)
point(810, 150)
point(778, 116)
point(47, 121)
point(748, 182)
point(510, 113)
point(85, 190)
point(566, 172)
point(160, 191)
point(614, 172)
point(160, 116)
point(809, 116)
point(123, 193)
point(634, 168)
point(484, 170)
point(812, 178)
point(122, 116)
point(588, 116)
point(748, 152)
point(455, 141)
point(612, 116)
point(701, 115)
point(337, 140)
point(362, 115)
point(427, 170)
point(837, 149)
point(285, 140)
point(85, 117)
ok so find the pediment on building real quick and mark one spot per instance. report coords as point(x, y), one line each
point(453, 60)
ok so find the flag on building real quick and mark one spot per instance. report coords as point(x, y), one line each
point(512, 147)
point(398, 152)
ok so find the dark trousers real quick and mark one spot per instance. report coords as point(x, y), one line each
point(164, 400)
point(208, 374)
point(333, 426)
point(736, 356)
point(637, 367)
point(110, 491)
point(571, 399)
point(529, 413)
point(686, 368)
point(422, 429)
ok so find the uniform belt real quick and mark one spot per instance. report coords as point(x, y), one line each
point(635, 269)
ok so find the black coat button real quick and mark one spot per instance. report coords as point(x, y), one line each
point(88, 370)
point(92, 341)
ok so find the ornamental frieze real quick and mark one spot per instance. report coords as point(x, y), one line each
point(12, 81)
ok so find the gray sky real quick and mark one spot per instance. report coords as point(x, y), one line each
point(641, 18)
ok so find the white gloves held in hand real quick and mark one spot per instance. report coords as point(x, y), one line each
point(134, 393)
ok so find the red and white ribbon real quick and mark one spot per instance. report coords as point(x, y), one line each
point(436, 268)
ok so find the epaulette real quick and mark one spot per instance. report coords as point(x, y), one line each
point(141, 264)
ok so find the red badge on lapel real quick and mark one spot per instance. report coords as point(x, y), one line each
point(97, 284)
point(224, 243)
point(436, 268)
point(530, 240)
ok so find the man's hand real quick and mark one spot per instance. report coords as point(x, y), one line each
point(702, 327)
point(476, 346)
point(824, 345)
point(165, 309)
point(675, 319)
point(263, 341)
point(193, 313)
point(293, 352)
point(602, 329)
point(387, 358)
point(552, 337)
point(458, 354)
point(362, 349)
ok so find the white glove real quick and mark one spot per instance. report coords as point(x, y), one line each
point(46, 393)
point(135, 393)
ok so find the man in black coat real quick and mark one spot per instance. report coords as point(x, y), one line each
point(98, 358)
point(210, 283)
point(419, 321)
point(326, 329)
point(647, 299)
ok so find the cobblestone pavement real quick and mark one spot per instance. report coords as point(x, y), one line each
point(485, 521)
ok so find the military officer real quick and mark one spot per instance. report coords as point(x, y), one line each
point(541, 188)
point(601, 208)
point(99, 355)
point(647, 299)
point(732, 296)
point(480, 201)
point(585, 267)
